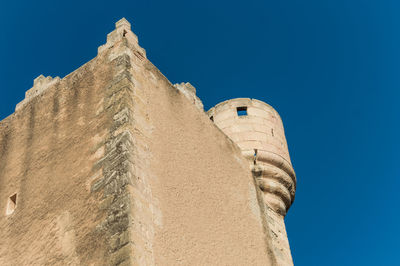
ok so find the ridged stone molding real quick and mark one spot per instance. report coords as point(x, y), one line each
point(258, 130)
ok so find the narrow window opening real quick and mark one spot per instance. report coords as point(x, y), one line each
point(255, 156)
point(124, 33)
point(241, 111)
point(212, 118)
point(272, 131)
point(11, 204)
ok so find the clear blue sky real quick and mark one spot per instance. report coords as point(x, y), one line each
point(330, 68)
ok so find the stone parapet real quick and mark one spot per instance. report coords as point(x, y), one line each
point(190, 92)
point(40, 85)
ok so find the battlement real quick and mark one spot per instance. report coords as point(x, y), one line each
point(190, 92)
point(123, 32)
point(40, 84)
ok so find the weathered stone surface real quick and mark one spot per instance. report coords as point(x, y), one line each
point(114, 165)
point(190, 92)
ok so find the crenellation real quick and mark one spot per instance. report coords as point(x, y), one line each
point(123, 23)
point(190, 93)
point(123, 32)
point(40, 85)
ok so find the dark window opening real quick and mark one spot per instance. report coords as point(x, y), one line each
point(212, 118)
point(12, 204)
point(124, 33)
point(255, 156)
point(241, 111)
point(272, 131)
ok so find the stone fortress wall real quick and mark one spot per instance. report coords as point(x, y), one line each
point(114, 165)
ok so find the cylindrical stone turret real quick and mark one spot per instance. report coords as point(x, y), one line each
point(258, 130)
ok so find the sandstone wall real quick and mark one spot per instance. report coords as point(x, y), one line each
point(47, 151)
point(113, 165)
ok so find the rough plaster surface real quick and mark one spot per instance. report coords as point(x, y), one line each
point(205, 198)
point(114, 165)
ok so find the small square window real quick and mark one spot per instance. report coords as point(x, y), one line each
point(11, 204)
point(241, 111)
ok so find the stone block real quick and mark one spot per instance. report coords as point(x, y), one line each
point(250, 144)
point(262, 105)
point(225, 123)
point(117, 241)
point(123, 254)
point(254, 111)
point(242, 127)
point(224, 115)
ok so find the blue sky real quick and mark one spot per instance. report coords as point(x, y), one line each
point(330, 68)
